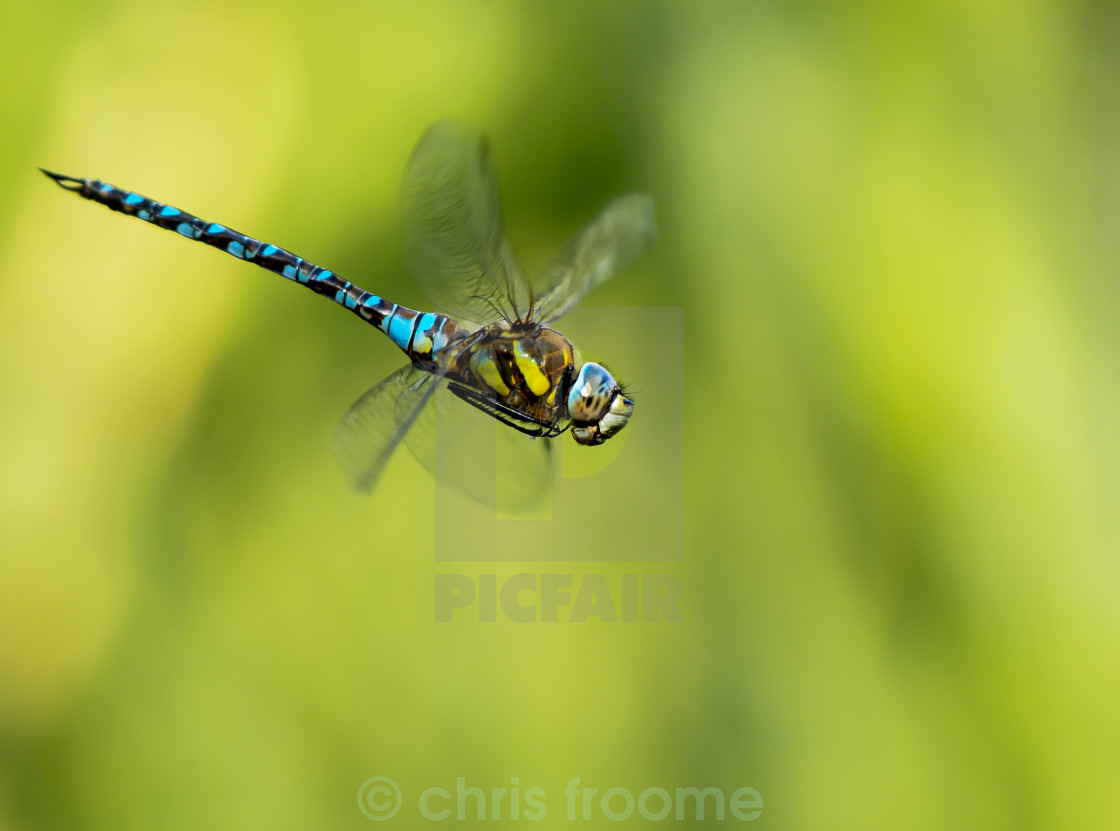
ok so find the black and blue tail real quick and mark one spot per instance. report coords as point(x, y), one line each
point(420, 335)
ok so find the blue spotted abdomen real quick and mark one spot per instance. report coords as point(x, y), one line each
point(422, 335)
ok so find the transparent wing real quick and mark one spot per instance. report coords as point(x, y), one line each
point(377, 422)
point(475, 454)
point(625, 228)
point(460, 445)
point(454, 226)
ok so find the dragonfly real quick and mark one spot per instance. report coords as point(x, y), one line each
point(490, 344)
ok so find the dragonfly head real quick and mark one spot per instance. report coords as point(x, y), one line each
point(597, 406)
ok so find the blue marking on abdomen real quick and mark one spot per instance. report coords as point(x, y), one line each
point(269, 250)
point(422, 336)
point(185, 229)
point(167, 210)
point(144, 215)
point(323, 275)
point(344, 297)
point(400, 330)
point(439, 339)
point(237, 249)
point(133, 199)
point(368, 305)
point(215, 228)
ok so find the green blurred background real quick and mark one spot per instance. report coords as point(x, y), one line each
point(890, 228)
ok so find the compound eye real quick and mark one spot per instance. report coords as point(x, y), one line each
point(592, 392)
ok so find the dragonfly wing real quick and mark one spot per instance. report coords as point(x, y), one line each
point(470, 451)
point(377, 422)
point(463, 447)
point(625, 228)
point(456, 234)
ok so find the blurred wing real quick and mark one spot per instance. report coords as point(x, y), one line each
point(461, 446)
point(624, 229)
point(377, 422)
point(454, 226)
point(475, 454)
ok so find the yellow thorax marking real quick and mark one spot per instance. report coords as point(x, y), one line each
point(530, 370)
point(485, 368)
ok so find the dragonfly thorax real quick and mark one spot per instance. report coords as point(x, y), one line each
point(528, 376)
point(522, 371)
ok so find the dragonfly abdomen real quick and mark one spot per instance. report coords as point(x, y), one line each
point(420, 335)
